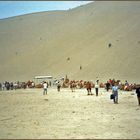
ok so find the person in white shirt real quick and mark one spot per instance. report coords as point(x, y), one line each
point(45, 86)
point(97, 87)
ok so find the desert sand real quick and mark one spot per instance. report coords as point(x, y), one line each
point(65, 114)
point(40, 43)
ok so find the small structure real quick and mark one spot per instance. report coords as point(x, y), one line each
point(42, 78)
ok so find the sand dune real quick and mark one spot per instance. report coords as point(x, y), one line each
point(39, 44)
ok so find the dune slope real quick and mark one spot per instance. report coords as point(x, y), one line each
point(40, 43)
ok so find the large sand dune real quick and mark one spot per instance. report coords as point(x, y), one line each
point(39, 44)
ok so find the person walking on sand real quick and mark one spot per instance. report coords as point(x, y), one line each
point(58, 86)
point(115, 93)
point(107, 86)
point(45, 86)
point(138, 94)
point(97, 87)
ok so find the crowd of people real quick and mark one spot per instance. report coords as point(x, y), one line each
point(16, 85)
point(111, 84)
point(7, 86)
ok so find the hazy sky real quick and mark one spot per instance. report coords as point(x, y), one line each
point(14, 8)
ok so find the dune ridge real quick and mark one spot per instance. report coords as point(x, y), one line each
point(39, 44)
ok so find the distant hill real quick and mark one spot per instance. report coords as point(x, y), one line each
point(57, 43)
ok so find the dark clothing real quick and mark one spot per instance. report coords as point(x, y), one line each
point(88, 90)
point(0, 86)
point(58, 87)
point(96, 89)
point(138, 100)
point(107, 86)
point(138, 94)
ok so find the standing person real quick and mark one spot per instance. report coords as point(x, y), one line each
point(50, 83)
point(138, 94)
point(107, 86)
point(58, 86)
point(97, 87)
point(0, 86)
point(126, 83)
point(45, 86)
point(3, 86)
point(115, 93)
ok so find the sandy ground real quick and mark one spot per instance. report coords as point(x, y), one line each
point(30, 114)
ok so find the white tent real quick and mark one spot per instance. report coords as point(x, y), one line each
point(43, 77)
point(40, 79)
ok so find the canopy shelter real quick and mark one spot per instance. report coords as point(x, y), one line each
point(39, 79)
point(43, 77)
